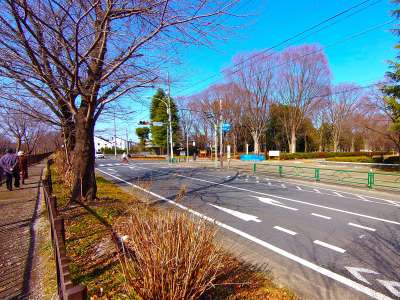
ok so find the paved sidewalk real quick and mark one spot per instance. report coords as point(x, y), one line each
point(18, 214)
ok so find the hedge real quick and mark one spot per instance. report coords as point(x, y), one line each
point(305, 155)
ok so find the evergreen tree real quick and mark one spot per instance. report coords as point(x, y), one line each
point(392, 89)
point(158, 113)
point(143, 134)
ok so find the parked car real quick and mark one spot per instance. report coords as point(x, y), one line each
point(99, 155)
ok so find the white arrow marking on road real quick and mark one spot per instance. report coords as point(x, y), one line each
point(356, 273)
point(337, 194)
point(299, 188)
point(392, 286)
point(237, 214)
point(274, 202)
point(317, 191)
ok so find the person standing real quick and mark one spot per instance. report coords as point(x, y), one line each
point(23, 166)
point(9, 163)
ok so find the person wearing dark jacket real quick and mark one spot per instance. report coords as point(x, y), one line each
point(23, 166)
point(9, 163)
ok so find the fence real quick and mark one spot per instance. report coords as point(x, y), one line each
point(389, 180)
point(66, 289)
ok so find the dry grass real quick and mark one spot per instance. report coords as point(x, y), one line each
point(171, 255)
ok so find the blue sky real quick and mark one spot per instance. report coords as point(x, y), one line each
point(361, 60)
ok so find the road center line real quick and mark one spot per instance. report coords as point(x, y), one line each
point(323, 271)
point(321, 216)
point(362, 227)
point(285, 230)
point(332, 247)
point(287, 199)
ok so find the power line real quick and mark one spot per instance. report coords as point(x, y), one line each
point(292, 38)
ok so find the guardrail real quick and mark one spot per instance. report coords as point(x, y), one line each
point(66, 289)
point(369, 179)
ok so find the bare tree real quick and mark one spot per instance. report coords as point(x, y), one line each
point(23, 129)
point(379, 118)
point(341, 104)
point(254, 81)
point(78, 56)
point(303, 77)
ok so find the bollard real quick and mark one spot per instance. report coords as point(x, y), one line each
point(254, 168)
point(317, 175)
point(280, 170)
point(371, 179)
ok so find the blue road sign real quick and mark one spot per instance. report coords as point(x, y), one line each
point(226, 127)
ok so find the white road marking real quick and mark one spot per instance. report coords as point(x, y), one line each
point(131, 168)
point(321, 216)
point(285, 230)
point(362, 197)
point(391, 286)
point(317, 191)
point(257, 181)
point(337, 194)
point(284, 186)
point(362, 236)
point(238, 214)
point(274, 202)
point(362, 227)
point(332, 247)
point(269, 183)
point(287, 199)
point(299, 188)
point(356, 273)
point(323, 271)
point(109, 169)
point(102, 165)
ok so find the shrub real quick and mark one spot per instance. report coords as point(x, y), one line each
point(309, 155)
point(172, 256)
point(392, 160)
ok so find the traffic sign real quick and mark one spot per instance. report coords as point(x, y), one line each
point(226, 127)
point(157, 123)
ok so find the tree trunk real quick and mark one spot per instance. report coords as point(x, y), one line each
point(352, 149)
point(19, 143)
point(256, 144)
point(292, 142)
point(335, 145)
point(84, 182)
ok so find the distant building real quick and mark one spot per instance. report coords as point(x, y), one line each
point(100, 142)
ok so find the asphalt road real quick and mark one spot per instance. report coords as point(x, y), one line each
point(323, 242)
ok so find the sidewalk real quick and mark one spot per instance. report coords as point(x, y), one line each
point(19, 211)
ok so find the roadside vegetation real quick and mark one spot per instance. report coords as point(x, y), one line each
point(167, 254)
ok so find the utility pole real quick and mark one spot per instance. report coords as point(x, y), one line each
point(115, 136)
point(170, 119)
point(127, 146)
point(216, 144)
point(221, 147)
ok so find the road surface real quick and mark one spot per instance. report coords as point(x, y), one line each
point(323, 242)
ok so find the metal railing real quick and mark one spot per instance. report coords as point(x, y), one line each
point(66, 289)
point(370, 179)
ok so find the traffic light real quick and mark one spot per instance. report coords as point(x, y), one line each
point(144, 123)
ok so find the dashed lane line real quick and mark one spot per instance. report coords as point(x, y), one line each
point(361, 226)
point(285, 230)
point(329, 246)
point(308, 264)
point(321, 216)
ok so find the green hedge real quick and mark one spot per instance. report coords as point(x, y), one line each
point(305, 155)
point(392, 160)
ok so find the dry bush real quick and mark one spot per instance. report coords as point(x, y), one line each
point(171, 255)
point(64, 170)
